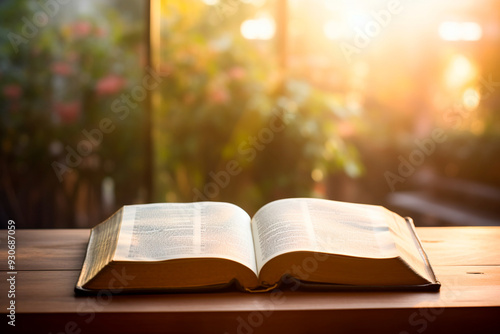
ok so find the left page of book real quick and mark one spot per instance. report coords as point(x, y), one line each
point(165, 231)
point(101, 246)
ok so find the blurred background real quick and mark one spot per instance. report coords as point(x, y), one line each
point(108, 103)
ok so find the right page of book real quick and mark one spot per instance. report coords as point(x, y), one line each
point(307, 224)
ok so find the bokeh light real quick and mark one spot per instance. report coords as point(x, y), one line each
point(261, 28)
point(460, 71)
point(471, 99)
point(460, 31)
point(211, 2)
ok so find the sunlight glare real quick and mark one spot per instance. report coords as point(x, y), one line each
point(317, 175)
point(450, 31)
point(460, 31)
point(460, 71)
point(471, 99)
point(471, 31)
point(256, 3)
point(262, 28)
point(335, 30)
point(211, 2)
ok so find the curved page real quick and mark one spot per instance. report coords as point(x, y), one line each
point(305, 224)
point(156, 232)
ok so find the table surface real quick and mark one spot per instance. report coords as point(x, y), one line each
point(466, 260)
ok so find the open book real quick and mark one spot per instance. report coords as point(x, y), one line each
point(196, 246)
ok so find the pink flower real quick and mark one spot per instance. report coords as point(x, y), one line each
point(61, 68)
point(166, 68)
point(81, 28)
point(346, 129)
point(72, 56)
point(68, 112)
point(236, 72)
point(320, 189)
point(110, 84)
point(12, 91)
point(100, 32)
point(218, 96)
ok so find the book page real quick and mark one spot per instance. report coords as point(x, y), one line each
point(156, 232)
point(102, 244)
point(408, 246)
point(307, 224)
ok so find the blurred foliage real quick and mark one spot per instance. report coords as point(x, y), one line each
point(219, 105)
point(230, 123)
point(60, 70)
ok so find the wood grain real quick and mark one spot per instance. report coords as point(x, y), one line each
point(47, 249)
point(465, 261)
point(53, 290)
point(461, 245)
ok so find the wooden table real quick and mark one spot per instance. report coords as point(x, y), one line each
point(466, 261)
